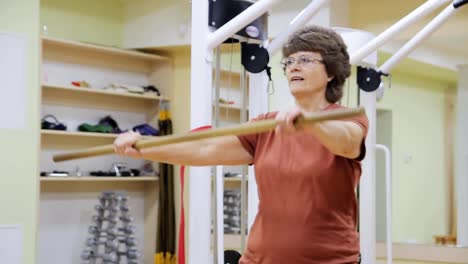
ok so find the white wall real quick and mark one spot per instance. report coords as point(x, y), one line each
point(168, 23)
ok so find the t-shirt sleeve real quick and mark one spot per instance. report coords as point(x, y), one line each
point(363, 122)
point(249, 142)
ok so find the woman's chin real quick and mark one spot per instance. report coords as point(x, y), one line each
point(297, 90)
point(300, 90)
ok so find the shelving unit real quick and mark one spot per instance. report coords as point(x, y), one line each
point(230, 114)
point(232, 242)
point(100, 179)
point(56, 139)
point(73, 45)
point(66, 61)
point(232, 182)
point(92, 97)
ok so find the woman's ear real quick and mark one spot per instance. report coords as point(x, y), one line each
point(331, 78)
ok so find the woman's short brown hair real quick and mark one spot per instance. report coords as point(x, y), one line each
point(333, 50)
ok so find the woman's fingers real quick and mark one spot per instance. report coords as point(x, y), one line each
point(280, 122)
point(124, 144)
point(131, 152)
point(285, 120)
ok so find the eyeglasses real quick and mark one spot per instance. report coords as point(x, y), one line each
point(302, 60)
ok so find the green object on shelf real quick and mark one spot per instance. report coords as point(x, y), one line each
point(95, 128)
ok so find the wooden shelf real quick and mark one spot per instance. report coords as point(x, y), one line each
point(102, 92)
point(63, 61)
point(97, 98)
point(230, 113)
point(233, 179)
point(233, 241)
point(99, 179)
point(230, 107)
point(57, 139)
point(132, 54)
point(98, 184)
point(233, 182)
point(60, 133)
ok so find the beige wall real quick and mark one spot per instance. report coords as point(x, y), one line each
point(417, 104)
point(20, 147)
point(85, 20)
point(181, 115)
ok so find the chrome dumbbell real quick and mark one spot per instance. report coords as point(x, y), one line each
point(126, 218)
point(101, 209)
point(105, 233)
point(131, 254)
point(110, 244)
point(129, 241)
point(92, 255)
point(99, 231)
point(112, 219)
point(129, 229)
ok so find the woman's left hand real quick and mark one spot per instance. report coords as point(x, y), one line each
point(285, 120)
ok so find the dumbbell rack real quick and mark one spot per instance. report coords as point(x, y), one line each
point(112, 238)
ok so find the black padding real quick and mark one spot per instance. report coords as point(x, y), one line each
point(231, 257)
point(222, 11)
point(459, 3)
point(368, 79)
point(254, 57)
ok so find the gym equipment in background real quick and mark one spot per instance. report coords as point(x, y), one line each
point(112, 238)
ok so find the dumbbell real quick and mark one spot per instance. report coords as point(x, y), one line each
point(132, 254)
point(114, 198)
point(94, 230)
point(112, 220)
point(91, 255)
point(104, 208)
point(129, 229)
point(111, 244)
point(129, 241)
point(126, 218)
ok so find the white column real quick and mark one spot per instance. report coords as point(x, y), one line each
point(199, 187)
point(355, 39)
point(367, 194)
point(258, 104)
point(461, 156)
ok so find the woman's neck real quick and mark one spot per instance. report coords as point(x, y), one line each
point(312, 104)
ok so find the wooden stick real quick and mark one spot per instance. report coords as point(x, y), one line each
point(243, 129)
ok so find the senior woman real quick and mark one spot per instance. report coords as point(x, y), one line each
point(306, 177)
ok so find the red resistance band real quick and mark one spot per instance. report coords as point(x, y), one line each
point(181, 247)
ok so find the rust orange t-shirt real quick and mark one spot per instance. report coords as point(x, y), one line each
point(308, 208)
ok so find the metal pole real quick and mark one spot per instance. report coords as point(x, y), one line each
point(199, 187)
point(389, 33)
point(388, 199)
point(218, 186)
point(234, 25)
point(301, 19)
point(417, 39)
point(243, 119)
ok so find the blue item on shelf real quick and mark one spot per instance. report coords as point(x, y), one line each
point(146, 130)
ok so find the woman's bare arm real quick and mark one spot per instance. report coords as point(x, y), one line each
point(226, 150)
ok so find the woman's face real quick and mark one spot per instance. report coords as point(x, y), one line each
point(306, 73)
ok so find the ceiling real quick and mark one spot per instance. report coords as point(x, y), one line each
point(448, 45)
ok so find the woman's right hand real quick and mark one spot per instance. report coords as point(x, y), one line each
point(124, 144)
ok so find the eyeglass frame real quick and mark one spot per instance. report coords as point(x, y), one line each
point(301, 60)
